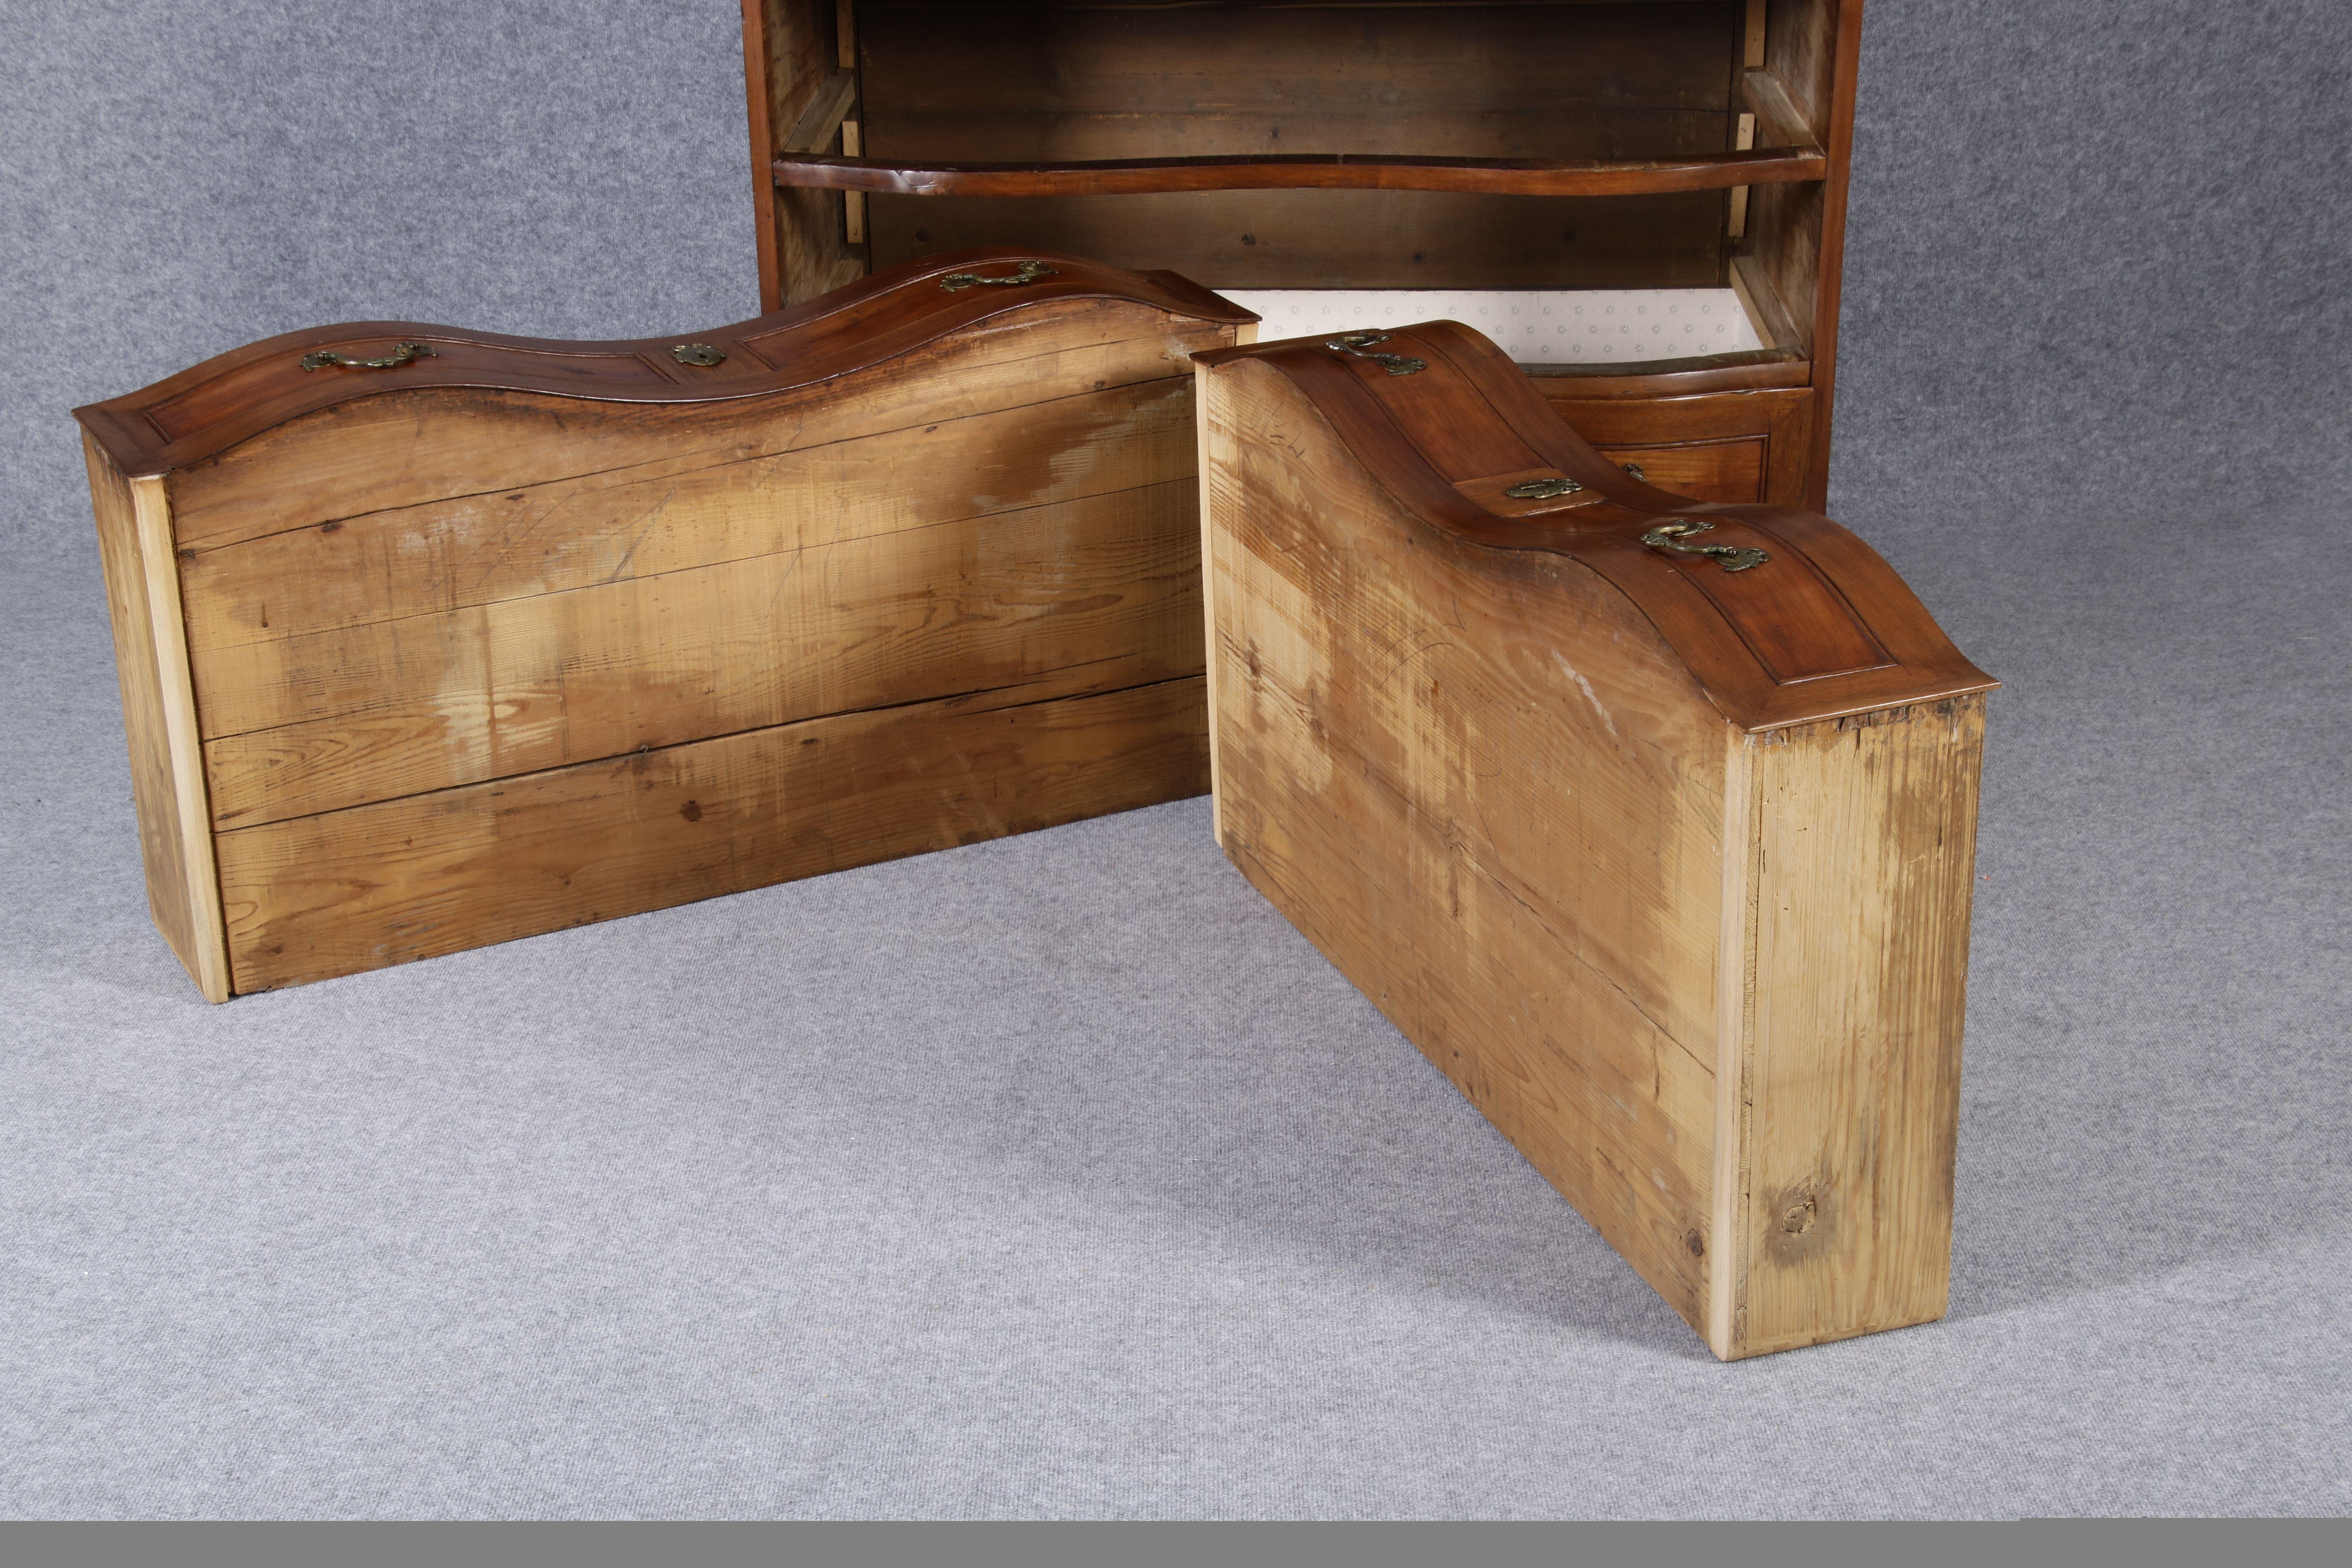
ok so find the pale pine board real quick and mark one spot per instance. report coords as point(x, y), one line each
point(520, 684)
point(386, 884)
point(1862, 861)
point(1513, 855)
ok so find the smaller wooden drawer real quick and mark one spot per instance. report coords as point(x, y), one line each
point(1705, 470)
point(1736, 447)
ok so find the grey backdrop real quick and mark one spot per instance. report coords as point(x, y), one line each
point(1057, 1176)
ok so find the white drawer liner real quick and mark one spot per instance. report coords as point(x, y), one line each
point(1533, 327)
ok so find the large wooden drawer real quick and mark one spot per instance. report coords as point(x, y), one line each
point(1650, 820)
point(479, 636)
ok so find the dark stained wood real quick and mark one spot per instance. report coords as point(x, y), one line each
point(759, 68)
point(236, 395)
point(1730, 470)
point(789, 53)
point(1779, 122)
point(1794, 254)
point(1104, 96)
point(1342, 239)
point(1308, 172)
point(1551, 83)
point(1561, 80)
point(1825, 629)
point(1703, 442)
point(1745, 370)
point(1836, 113)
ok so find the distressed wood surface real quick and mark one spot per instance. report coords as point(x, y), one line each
point(755, 487)
point(441, 444)
point(167, 784)
point(1697, 947)
point(1862, 849)
point(1304, 171)
point(206, 410)
point(314, 723)
point(1491, 797)
point(379, 885)
point(1829, 629)
point(384, 611)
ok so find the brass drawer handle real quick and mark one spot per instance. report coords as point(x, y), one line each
point(400, 355)
point(1670, 535)
point(1357, 342)
point(1027, 272)
point(1542, 489)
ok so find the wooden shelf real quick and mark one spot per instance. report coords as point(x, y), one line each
point(1327, 172)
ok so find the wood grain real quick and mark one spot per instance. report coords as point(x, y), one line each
point(1342, 239)
point(1750, 445)
point(394, 707)
point(791, 55)
point(1557, 83)
point(204, 411)
point(380, 454)
point(410, 634)
point(1486, 789)
point(1772, 647)
point(1697, 950)
point(1779, 122)
point(819, 127)
point(756, 488)
point(182, 737)
point(1794, 258)
point(167, 784)
point(758, 69)
point(1307, 172)
point(1729, 471)
point(1863, 854)
point(387, 884)
point(1147, 97)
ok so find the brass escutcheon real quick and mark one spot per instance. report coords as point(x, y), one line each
point(1542, 489)
point(401, 354)
point(702, 354)
point(1635, 469)
point(1356, 344)
point(1669, 535)
point(1027, 272)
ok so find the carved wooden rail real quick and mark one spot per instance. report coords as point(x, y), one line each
point(1321, 171)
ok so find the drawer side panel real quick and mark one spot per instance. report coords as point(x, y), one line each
point(1482, 785)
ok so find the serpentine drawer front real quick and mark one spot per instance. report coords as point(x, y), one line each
point(1650, 820)
point(430, 640)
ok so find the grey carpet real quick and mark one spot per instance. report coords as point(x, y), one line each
point(1057, 1176)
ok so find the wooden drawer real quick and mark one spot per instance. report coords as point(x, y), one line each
point(1704, 470)
point(492, 638)
point(1742, 446)
point(1663, 856)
